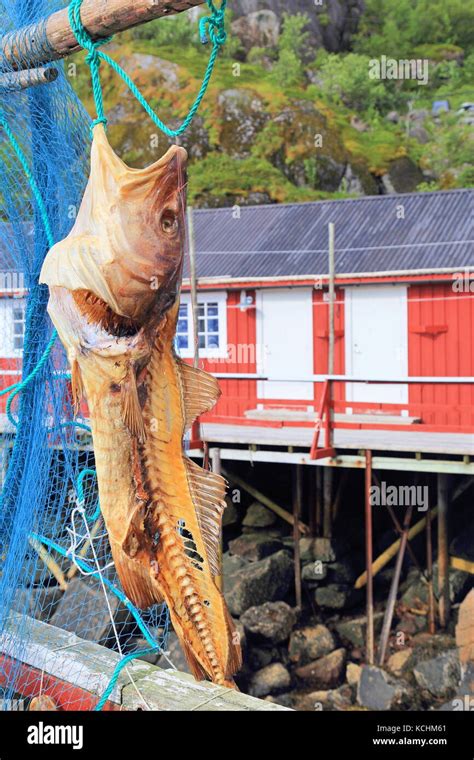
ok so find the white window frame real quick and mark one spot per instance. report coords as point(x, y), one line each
point(219, 297)
point(7, 327)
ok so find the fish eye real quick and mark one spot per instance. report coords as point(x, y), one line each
point(169, 222)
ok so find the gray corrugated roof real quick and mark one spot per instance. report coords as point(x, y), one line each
point(291, 239)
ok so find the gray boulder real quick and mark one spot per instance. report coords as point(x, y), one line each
point(333, 699)
point(269, 680)
point(379, 691)
point(259, 29)
point(258, 516)
point(336, 596)
point(324, 673)
point(440, 675)
point(353, 630)
point(254, 546)
point(314, 573)
point(310, 643)
point(259, 582)
point(271, 622)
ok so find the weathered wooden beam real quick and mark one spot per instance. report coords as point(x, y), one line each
point(52, 38)
point(75, 673)
point(21, 80)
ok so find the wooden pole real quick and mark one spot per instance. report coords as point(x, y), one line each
point(331, 342)
point(331, 337)
point(52, 38)
point(193, 281)
point(319, 499)
point(297, 499)
point(327, 502)
point(392, 597)
point(21, 80)
point(443, 550)
point(370, 648)
point(429, 570)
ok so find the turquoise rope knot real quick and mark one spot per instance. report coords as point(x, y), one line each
point(213, 27)
point(93, 58)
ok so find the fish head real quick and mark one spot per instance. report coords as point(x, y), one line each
point(123, 259)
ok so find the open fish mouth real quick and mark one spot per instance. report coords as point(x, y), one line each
point(94, 309)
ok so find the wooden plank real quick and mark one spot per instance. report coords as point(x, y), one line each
point(86, 668)
point(26, 48)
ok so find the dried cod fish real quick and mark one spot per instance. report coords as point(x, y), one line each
point(114, 298)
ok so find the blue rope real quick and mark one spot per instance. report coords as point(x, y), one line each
point(210, 27)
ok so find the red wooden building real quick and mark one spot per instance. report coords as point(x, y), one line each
point(404, 309)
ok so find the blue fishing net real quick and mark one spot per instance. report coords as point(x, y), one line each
point(52, 537)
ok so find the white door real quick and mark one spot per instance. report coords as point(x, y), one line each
point(285, 343)
point(376, 341)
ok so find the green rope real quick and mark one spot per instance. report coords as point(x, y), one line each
point(212, 27)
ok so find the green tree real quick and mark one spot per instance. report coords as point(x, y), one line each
point(289, 68)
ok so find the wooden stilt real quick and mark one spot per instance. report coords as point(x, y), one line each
point(327, 499)
point(52, 38)
point(429, 572)
point(392, 597)
point(443, 550)
point(370, 648)
point(311, 475)
point(297, 501)
point(319, 500)
point(344, 475)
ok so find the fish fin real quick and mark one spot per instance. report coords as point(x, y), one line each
point(77, 386)
point(136, 581)
point(207, 493)
point(196, 668)
point(234, 658)
point(131, 409)
point(200, 392)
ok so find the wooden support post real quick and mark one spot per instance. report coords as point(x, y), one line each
point(217, 468)
point(297, 501)
point(429, 571)
point(21, 80)
point(319, 500)
point(312, 500)
point(443, 550)
point(327, 498)
point(392, 597)
point(52, 38)
point(370, 649)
